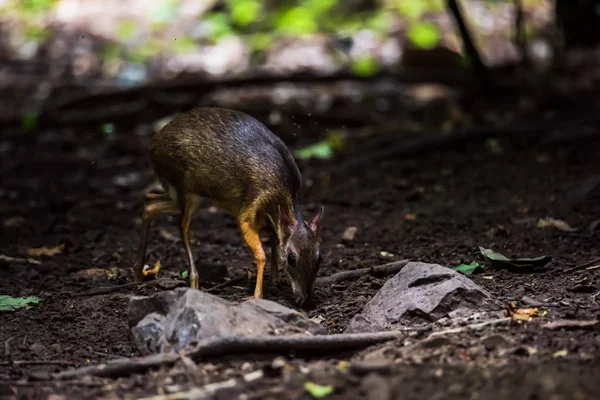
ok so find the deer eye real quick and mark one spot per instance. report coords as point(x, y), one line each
point(291, 259)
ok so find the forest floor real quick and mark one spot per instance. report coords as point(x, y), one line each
point(77, 188)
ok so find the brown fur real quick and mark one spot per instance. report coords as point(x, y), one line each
point(234, 160)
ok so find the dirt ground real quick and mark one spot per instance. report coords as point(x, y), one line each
point(78, 188)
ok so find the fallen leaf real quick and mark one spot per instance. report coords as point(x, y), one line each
point(349, 233)
point(167, 235)
point(560, 353)
point(521, 263)
point(17, 259)
point(386, 254)
point(318, 391)
point(45, 251)
point(468, 269)
point(343, 365)
point(519, 314)
point(410, 217)
point(96, 273)
point(184, 274)
point(570, 323)
point(8, 303)
point(14, 221)
point(556, 223)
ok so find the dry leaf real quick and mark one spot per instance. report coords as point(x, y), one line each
point(167, 235)
point(410, 217)
point(560, 353)
point(556, 223)
point(349, 234)
point(18, 259)
point(45, 251)
point(519, 314)
point(14, 221)
point(567, 323)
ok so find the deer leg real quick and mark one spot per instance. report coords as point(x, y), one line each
point(191, 203)
point(150, 211)
point(252, 239)
point(274, 259)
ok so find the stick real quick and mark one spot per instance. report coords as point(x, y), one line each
point(222, 285)
point(221, 346)
point(584, 265)
point(381, 270)
point(35, 362)
point(474, 327)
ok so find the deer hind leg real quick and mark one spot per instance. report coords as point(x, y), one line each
point(190, 205)
point(151, 209)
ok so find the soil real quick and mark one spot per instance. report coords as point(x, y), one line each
point(83, 190)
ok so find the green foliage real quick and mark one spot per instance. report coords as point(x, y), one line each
point(468, 269)
point(29, 121)
point(36, 6)
point(365, 66)
point(218, 25)
point(414, 9)
point(296, 21)
point(424, 35)
point(8, 303)
point(163, 12)
point(145, 51)
point(318, 391)
point(318, 150)
point(110, 52)
point(126, 30)
point(36, 33)
point(261, 41)
point(244, 12)
point(184, 44)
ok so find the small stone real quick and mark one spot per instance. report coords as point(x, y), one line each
point(376, 388)
point(349, 234)
point(493, 342)
point(435, 342)
point(38, 348)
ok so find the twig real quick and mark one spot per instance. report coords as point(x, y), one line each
point(584, 265)
point(7, 347)
point(222, 285)
point(380, 270)
point(472, 327)
point(221, 346)
point(36, 362)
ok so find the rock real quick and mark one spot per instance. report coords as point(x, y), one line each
point(427, 291)
point(376, 387)
point(493, 342)
point(170, 320)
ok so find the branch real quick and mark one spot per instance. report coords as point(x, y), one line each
point(221, 346)
point(478, 66)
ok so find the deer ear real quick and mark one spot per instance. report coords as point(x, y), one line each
point(285, 222)
point(316, 221)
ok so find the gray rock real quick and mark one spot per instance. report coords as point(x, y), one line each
point(427, 291)
point(171, 320)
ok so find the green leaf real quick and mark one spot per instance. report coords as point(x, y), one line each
point(468, 269)
point(36, 6)
point(8, 303)
point(184, 274)
point(365, 66)
point(380, 21)
point(218, 24)
point(110, 52)
point(318, 391)
point(493, 145)
point(126, 30)
point(411, 9)
point(244, 12)
point(297, 21)
point(184, 44)
point(260, 41)
point(163, 12)
point(521, 263)
point(29, 121)
point(317, 150)
point(424, 35)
